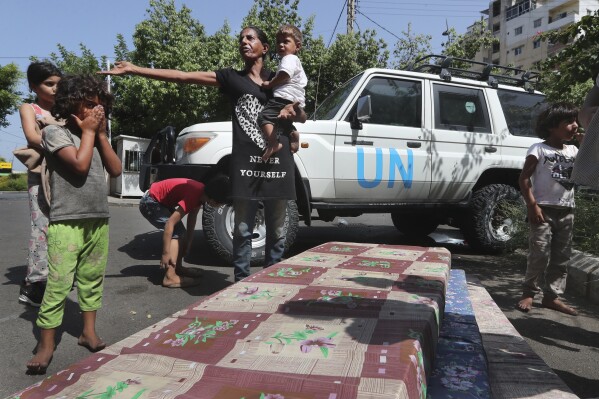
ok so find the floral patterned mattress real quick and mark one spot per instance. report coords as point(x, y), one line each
point(339, 321)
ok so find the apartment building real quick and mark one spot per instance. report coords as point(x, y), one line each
point(518, 24)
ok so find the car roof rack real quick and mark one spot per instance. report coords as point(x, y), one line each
point(447, 67)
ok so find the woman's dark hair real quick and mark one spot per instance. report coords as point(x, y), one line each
point(259, 33)
point(74, 89)
point(219, 189)
point(37, 72)
point(553, 116)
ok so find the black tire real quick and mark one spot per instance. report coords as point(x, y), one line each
point(217, 224)
point(418, 224)
point(488, 227)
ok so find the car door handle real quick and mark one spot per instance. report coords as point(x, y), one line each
point(414, 144)
point(490, 149)
point(359, 142)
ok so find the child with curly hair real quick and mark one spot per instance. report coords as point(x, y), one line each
point(77, 155)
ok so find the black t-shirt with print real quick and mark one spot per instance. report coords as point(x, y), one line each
point(250, 177)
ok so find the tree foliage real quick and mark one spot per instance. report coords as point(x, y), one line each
point(71, 63)
point(349, 55)
point(567, 74)
point(466, 45)
point(10, 97)
point(410, 47)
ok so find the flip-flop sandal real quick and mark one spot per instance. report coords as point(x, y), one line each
point(90, 348)
point(40, 368)
point(185, 282)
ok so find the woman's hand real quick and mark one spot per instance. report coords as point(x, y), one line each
point(119, 68)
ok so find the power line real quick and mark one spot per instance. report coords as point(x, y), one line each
point(11, 134)
point(377, 24)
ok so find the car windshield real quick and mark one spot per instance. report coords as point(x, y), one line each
point(329, 107)
point(521, 111)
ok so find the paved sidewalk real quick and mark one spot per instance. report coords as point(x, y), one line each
point(515, 370)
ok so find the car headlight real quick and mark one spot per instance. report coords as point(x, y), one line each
point(193, 144)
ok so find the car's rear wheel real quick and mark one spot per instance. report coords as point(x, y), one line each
point(218, 223)
point(490, 223)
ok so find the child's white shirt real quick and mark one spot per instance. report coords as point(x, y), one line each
point(551, 184)
point(293, 90)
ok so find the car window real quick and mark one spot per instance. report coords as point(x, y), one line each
point(521, 111)
point(460, 108)
point(329, 107)
point(394, 102)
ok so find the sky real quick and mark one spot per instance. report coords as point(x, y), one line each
point(35, 28)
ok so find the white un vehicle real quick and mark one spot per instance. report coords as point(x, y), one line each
point(432, 145)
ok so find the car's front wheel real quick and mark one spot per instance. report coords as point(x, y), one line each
point(218, 223)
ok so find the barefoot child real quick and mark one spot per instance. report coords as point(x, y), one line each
point(288, 87)
point(78, 231)
point(549, 196)
point(164, 205)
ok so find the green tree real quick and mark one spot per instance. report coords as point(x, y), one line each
point(466, 45)
point(10, 97)
point(71, 63)
point(172, 39)
point(410, 47)
point(349, 55)
point(566, 75)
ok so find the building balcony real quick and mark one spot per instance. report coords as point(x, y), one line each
point(557, 21)
point(520, 8)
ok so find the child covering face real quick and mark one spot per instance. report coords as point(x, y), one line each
point(77, 155)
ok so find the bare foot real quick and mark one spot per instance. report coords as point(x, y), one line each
point(294, 146)
point(41, 360)
point(93, 343)
point(525, 304)
point(271, 149)
point(558, 305)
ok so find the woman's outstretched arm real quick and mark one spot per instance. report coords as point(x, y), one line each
point(167, 75)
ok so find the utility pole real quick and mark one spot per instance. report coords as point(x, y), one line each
point(351, 15)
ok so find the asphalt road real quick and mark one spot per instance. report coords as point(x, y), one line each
point(134, 299)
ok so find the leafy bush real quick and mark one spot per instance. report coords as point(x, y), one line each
point(13, 182)
point(586, 228)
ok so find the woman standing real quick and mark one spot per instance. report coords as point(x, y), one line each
point(253, 180)
point(43, 77)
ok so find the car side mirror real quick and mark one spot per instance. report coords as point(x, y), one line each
point(363, 112)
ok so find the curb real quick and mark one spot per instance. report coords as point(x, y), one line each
point(583, 276)
point(120, 201)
